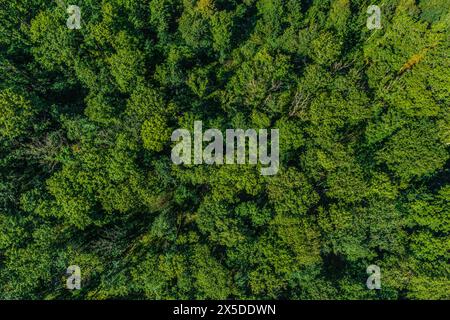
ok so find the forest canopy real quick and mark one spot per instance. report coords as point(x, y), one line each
point(86, 178)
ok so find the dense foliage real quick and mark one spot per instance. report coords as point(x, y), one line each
point(86, 176)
